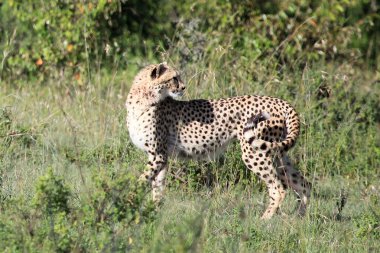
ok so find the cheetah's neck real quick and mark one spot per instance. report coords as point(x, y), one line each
point(141, 98)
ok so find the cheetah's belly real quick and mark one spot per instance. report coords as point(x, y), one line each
point(181, 146)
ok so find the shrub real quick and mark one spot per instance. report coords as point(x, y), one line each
point(289, 31)
point(52, 195)
point(56, 38)
point(48, 39)
point(120, 197)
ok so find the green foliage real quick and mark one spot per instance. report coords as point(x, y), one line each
point(116, 206)
point(368, 223)
point(55, 38)
point(14, 136)
point(5, 121)
point(183, 238)
point(52, 194)
point(50, 35)
point(282, 32)
point(119, 197)
point(70, 38)
point(5, 126)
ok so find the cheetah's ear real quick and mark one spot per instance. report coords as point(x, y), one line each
point(158, 71)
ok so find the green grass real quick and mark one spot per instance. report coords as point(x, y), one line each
point(78, 132)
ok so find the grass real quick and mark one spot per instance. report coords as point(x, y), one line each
point(229, 222)
point(78, 132)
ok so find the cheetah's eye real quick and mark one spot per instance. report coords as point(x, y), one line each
point(175, 79)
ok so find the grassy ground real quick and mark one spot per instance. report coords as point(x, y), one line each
point(91, 202)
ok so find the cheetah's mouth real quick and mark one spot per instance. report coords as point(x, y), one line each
point(176, 94)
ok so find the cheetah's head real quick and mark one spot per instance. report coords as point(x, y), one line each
point(154, 83)
point(166, 81)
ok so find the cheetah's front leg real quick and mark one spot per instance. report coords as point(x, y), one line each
point(158, 186)
point(155, 175)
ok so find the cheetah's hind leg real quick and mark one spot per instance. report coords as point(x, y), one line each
point(290, 177)
point(260, 162)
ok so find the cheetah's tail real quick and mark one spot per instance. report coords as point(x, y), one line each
point(292, 124)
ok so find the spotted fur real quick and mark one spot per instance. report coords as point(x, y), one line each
point(164, 127)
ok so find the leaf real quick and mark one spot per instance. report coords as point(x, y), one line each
point(339, 8)
point(101, 5)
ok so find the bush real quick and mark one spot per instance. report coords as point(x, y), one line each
point(52, 195)
point(50, 39)
point(111, 211)
point(56, 38)
point(290, 31)
point(120, 197)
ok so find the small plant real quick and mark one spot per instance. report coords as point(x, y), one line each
point(52, 205)
point(119, 197)
point(12, 133)
point(340, 204)
point(368, 225)
point(52, 194)
point(5, 124)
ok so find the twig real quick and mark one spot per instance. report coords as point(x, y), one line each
point(178, 178)
point(74, 132)
point(7, 52)
point(340, 204)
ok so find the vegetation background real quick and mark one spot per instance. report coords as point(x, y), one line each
point(68, 170)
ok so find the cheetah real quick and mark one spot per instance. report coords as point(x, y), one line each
point(164, 127)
